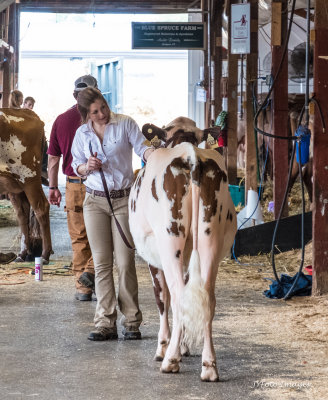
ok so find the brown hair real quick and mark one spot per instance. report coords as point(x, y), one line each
point(16, 99)
point(29, 98)
point(85, 98)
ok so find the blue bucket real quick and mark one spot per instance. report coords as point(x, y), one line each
point(304, 145)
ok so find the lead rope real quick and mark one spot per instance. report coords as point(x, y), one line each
point(124, 238)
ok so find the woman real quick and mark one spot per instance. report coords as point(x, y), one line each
point(16, 99)
point(105, 141)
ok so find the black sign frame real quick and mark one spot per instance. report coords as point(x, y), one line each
point(168, 35)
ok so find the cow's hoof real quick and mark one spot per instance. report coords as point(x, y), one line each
point(209, 372)
point(158, 358)
point(19, 259)
point(170, 366)
point(6, 258)
point(45, 262)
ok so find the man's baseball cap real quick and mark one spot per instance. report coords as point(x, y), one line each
point(85, 81)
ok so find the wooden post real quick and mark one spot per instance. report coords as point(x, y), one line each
point(217, 55)
point(13, 39)
point(232, 105)
point(320, 154)
point(280, 105)
point(204, 8)
point(251, 79)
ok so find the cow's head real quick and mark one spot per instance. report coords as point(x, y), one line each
point(180, 130)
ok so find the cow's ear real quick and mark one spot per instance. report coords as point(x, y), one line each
point(150, 131)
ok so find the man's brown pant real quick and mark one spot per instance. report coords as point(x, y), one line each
point(82, 258)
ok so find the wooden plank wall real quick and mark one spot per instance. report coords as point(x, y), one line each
point(320, 153)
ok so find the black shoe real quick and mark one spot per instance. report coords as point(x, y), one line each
point(131, 333)
point(83, 296)
point(88, 280)
point(103, 333)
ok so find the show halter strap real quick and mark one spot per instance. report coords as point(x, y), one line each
point(124, 238)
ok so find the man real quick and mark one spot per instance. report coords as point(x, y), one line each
point(29, 102)
point(61, 138)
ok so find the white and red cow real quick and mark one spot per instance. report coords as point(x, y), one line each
point(182, 215)
point(21, 137)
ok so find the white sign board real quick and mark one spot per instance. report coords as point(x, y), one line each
point(201, 95)
point(240, 28)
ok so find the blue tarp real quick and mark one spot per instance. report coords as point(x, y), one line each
point(303, 286)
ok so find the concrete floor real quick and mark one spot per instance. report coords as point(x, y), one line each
point(45, 354)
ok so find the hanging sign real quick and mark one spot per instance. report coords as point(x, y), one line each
point(240, 28)
point(168, 35)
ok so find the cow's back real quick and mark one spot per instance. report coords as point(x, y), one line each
point(161, 200)
point(21, 138)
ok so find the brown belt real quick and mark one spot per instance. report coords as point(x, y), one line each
point(74, 179)
point(114, 194)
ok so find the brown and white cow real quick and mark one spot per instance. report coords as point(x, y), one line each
point(21, 136)
point(182, 215)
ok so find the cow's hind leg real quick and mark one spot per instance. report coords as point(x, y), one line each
point(41, 207)
point(162, 297)
point(22, 209)
point(209, 272)
point(175, 284)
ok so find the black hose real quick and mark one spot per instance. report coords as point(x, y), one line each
point(280, 214)
point(274, 81)
point(290, 291)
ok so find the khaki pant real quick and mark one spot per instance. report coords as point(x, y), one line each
point(82, 258)
point(106, 243)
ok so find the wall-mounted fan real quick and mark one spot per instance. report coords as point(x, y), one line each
point(267, 63)
point(296, 72)
point(296, 63)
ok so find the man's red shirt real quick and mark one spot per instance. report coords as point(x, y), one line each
point(62, 135)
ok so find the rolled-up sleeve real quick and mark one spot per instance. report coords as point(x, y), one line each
point(136, 138)
point(77, 150)
point(54, 147)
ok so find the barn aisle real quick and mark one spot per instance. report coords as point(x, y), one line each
point(266, 349)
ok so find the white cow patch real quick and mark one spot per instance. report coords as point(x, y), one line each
point(11, 118)
point(11, 159)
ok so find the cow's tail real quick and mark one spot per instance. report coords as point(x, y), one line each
point(194, 302)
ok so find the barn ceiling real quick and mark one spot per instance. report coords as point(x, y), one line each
point(115, 6)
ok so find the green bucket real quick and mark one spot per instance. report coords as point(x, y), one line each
point(237, 194)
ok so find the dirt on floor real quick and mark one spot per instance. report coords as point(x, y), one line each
point(279, 346)
point(297, 329)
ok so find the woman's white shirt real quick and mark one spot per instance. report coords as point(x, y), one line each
point(122, 134)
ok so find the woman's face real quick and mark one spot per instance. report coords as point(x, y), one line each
point(99, 112)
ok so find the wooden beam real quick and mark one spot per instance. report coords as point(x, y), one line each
point(276, 24)
point(217, 55)
point(13, 40)
point(302, 13)
point(5, 3)
point(105, 6)
point(280, 119)
point(232, 106)
point(251, 80)
point(320, 154)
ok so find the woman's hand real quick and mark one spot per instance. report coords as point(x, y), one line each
point(93, 163)
point(147, 153)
